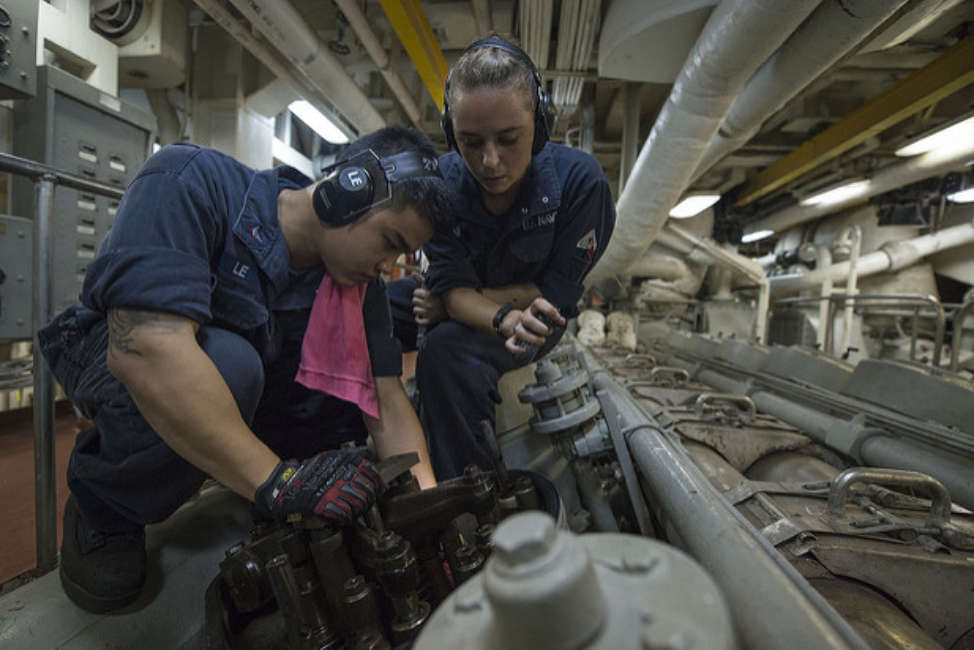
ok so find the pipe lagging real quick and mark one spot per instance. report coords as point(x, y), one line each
point(892, 256)
point(718, 66)
point(769, 599)
point(829, 33)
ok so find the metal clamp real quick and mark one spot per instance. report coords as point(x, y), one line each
point(710, 405)
point(939, 496)
point(669, 376)
point(639, 360)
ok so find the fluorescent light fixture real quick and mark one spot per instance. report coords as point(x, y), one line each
point(838, 194)
point(756, 235)
point(693, 205)
point(317, 121)
point(949, 135)
point(964, 196)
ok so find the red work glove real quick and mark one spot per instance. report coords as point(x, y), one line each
point(338, 485)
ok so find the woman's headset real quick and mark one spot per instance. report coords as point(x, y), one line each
point(543, 115)
point(352, 187)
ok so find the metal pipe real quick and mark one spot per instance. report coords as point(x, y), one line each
point(832, 31)
point(282, 25)
point(745, 265)
point(891, 257)
point(32, 169)
point(907, 299)
point(769, 599)
point(823, 259)
point(955, 342)
point(855, 233)
point(380, 57)
point(868, 445)
point(296, 78)
point(45, 489)
point(722, 60)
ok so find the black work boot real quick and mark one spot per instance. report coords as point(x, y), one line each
point(100, 572)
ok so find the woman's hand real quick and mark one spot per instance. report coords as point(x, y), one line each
point(524, 327)
point(427, 307)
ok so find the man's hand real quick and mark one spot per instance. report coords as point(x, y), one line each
point(525, 328)
point(427, 307)
point(338, 485)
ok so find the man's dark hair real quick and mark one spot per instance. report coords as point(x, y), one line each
point(430, 195)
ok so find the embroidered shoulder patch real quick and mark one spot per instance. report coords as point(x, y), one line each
point(588, 243)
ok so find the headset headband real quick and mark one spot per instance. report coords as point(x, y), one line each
point(364, 181)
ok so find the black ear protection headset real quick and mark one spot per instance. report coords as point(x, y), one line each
point(543, 115)
point(352, 187)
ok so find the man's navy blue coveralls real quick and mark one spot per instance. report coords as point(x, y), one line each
point(197, 235)
point(552, 236)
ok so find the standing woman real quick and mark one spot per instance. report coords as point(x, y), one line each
point(533, 218)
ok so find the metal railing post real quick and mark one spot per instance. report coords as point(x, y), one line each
point(45, 504)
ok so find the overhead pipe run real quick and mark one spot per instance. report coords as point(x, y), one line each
point(284, 27)
point(934, 163)
point(892, 256)
point(286, 72)
point(830, 32)
point(724, 57)
point(577, 28)
point(360, 24)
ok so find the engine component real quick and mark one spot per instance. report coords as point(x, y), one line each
point(365, 588)
point(547, 588)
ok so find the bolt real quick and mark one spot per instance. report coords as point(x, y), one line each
point(25, 31)
point(638, 563)
point(525, 537)
point(23, 75)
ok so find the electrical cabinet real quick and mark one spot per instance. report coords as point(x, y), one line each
point(16, 256)
point(78, 129)
point(18, 48)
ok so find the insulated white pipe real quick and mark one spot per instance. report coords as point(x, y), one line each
point(660, 267)
point(724, 57)
point(891, 257)
point(363, 30)
point(284, 27)
point(855, 235)
point(937, 162)
point(289, 74)
point(744, 265)
point(823, 260)
point(830, 32)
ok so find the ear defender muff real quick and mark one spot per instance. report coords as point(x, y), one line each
point(543, 114)
point(364, 181)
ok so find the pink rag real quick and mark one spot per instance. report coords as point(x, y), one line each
point(334, 353)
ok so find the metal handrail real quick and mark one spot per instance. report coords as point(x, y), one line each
point(941, 315)
point(45, 489)
point(958, 324)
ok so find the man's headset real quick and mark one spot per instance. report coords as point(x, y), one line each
point(543, 115)
point(352, 187)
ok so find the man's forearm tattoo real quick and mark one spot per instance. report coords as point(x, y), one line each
point(122, 323)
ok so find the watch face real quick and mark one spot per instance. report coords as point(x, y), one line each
point(354, 179)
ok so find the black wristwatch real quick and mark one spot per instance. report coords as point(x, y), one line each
point(501, 314)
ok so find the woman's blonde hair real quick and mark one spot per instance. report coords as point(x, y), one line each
point(492, 67)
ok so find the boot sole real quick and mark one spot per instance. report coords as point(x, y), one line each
point(92, 602)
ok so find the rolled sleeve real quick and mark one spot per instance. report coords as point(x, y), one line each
point(157, 255)
point(451, 264)
point(578, 245)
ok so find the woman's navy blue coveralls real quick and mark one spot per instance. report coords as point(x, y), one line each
point(552, 236)
point(197, 235)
